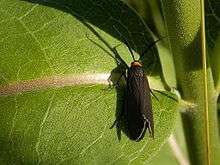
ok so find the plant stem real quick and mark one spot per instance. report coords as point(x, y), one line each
point(183, 20)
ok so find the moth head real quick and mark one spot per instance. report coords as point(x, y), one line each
point(136, 64)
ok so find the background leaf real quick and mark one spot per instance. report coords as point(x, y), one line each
point(68, 125)
point(213, 38)
point(212, 21)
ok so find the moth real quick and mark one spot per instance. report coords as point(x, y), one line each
point(137, 103)
point(136, 111)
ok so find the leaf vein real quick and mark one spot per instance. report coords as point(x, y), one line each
point(93, 142)
point(14, 118)
point(37, 41)
point(28, 12)
point(37, 145)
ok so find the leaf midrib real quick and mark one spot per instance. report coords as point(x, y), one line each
point(53, 81)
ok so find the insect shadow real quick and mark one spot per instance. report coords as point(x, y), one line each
point(134, 114)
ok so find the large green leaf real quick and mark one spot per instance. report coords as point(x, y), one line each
point(72, 124)
point(45, 118)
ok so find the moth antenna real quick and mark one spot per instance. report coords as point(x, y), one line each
point(116, 56)
point(151, 45)
point(125, 41)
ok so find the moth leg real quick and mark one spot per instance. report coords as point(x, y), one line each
point(114, 82)
point(117, 82)
point(118, 118)
point(110, 84)
point(118, 127)
point(115, 122)
point(154, 95)
point(161, 92)
point(120, 111)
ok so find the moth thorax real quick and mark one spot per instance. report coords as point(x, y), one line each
point(136, 64)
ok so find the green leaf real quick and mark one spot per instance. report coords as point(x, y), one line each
point(52, 113)
point(212, 22)
point(213, 38)
point(72, 124)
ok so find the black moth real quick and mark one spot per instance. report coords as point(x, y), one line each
point(137, 105)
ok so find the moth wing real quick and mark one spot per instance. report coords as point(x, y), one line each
point(135, 106)
point(146, 104)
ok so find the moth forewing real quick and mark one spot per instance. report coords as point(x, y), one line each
point(137, 103)
point(147, 106)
